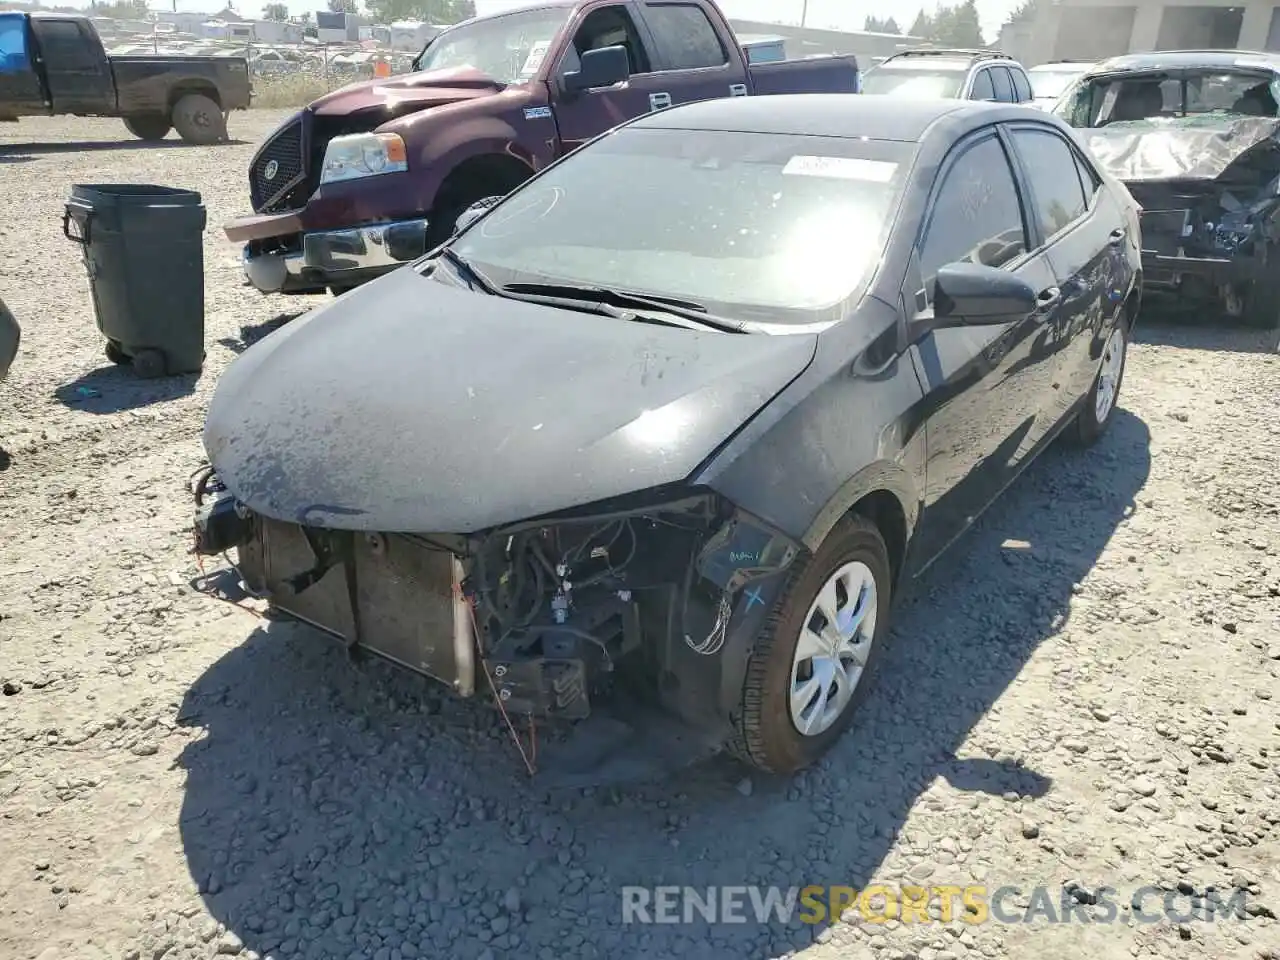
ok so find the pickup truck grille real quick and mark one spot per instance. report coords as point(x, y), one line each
point(279, 166)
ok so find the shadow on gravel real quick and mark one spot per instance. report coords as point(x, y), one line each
point(9, 151)
point(337, 811)
point(1170, 328)
point(252, 333)
point(112, 389)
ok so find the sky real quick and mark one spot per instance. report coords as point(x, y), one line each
point(836, 14)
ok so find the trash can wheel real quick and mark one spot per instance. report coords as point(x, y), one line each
point(149, 364)
point(115, 353)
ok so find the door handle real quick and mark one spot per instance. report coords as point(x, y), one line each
point(659, 101)
point(1116, 237)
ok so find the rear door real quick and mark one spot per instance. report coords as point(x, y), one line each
point(985, 384)
point(75, 67)
point(1084, 228)
point(1021, 85)
point(691, 59)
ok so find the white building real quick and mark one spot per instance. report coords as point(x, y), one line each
point(1094, 29)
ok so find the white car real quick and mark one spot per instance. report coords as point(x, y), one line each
point(1050, 80)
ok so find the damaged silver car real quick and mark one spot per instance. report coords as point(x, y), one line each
point(1195, 136)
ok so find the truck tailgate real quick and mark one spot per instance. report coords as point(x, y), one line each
point(816, 75)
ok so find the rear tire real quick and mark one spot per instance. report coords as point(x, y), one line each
point(199, 120)
point(768, 736)
point(148, 126)
point(1104, 396)
point(1262, 302)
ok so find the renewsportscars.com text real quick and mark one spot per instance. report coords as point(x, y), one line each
point(934, 904)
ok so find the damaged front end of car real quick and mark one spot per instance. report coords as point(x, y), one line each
point(651, 598)
point(1210, 219)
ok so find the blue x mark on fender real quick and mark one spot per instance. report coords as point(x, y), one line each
point(753, 597)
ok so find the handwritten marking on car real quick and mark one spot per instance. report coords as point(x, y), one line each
point(841, 168)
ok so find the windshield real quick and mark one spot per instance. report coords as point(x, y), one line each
point(1185, 99)
point(915, 82)
point(509, 48)
point(764, 228)
point(1051, 83)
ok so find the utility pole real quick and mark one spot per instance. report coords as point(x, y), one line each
point(804, 13)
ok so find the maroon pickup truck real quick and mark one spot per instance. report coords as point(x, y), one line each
point(376, 174)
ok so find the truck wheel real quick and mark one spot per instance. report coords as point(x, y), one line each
point(1262, 303)
point(815, 659)
point(148, 126)
point(199, 120)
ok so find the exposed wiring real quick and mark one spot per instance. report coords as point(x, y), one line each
point(583, 635)
point(529, 761)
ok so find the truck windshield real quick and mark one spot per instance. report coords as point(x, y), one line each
point(1187, 98)
point(509, 48)
point(927, 82)
point(763, 228)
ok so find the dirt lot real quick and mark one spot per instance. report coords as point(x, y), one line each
point(1087, 691)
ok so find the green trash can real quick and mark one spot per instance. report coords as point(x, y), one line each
point(143, 247)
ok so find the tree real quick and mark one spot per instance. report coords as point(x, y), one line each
point(922, 27)
point(275, 11)
point(430, 11)
point(123, 10)
point(1026, 12)
point(963, 26)
point(876, 25)
point(342, 6)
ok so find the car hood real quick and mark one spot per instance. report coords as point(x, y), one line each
point(413, 406)
point(1177, 153)
point(413, 91)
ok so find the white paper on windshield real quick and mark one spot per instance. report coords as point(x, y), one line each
point(537, 53)
point(841, 168)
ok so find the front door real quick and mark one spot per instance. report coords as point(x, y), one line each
point(75, 67)
point(986, 383)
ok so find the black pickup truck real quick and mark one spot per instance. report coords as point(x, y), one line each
point(53, 63)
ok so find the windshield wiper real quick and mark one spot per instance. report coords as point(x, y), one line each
point(696, 313)
point(480, 282)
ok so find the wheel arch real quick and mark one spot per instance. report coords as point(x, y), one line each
point(475, 172)
point(884, 494)
point(184, 88)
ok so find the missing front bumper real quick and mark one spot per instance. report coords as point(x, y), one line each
point(389, 594)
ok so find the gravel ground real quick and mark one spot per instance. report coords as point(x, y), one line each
point(1086, 693)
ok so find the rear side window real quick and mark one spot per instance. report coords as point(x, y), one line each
point(1003, 85)
point(1088, 176)
point(684, 36)
point(976, 216)
point(1021, 85)
point(983, 89)
point(1052, 168)
point(64, 45)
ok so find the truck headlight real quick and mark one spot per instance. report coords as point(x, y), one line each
point(359, 155)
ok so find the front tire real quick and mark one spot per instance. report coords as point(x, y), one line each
point(1101, 401)
point(150, 127)
point(816, 658)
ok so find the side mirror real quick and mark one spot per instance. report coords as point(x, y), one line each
point(970, 294)
point(602, 67)
point(474, 213)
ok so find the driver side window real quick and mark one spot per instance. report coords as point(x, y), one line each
point(976, 215)
point(606, 27)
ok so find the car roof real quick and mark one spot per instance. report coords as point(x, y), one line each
point(1060, 65)
point(848, 115)
point(1183, 59)
point(927, 63)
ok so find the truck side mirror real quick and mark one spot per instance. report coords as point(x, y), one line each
point(602, 67)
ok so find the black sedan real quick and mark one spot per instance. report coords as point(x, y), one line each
point(676, 419)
